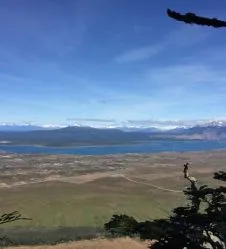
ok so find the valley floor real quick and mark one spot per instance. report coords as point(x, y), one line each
point(83, 192)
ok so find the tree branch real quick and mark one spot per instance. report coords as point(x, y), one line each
point(10, 217)
point(192, 18)
point(191, 179)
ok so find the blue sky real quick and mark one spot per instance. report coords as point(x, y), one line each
point(105, 59)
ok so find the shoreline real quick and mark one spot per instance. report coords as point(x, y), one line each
point(107, 145)
point(6, 153)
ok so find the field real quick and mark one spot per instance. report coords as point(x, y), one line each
point(84, 191)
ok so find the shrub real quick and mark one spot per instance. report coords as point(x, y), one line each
point(121, 225)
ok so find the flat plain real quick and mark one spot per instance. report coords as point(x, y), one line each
point(85, 191)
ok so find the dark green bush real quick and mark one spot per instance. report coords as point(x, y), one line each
point(121, 225)
point(155, 229)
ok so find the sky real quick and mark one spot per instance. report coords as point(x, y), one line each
point(110, 60)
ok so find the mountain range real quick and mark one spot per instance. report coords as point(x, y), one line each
point(72, 136)
point(129, 125)
point(86, 136)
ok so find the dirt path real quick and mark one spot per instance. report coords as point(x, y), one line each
point(151, 185)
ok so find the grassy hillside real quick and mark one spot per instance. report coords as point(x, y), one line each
point(90, 204)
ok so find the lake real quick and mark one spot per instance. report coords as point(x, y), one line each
point(152, 147)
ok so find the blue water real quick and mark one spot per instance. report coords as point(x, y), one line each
point(152, 147)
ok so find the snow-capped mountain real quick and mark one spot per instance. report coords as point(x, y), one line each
point(117, 133)
point(151, 125)
point(129, 125)
point(219, 123)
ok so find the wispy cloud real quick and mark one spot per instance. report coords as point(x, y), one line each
point(185, 75)
point(194, 90)
point(181, 38)
point(139, 54)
